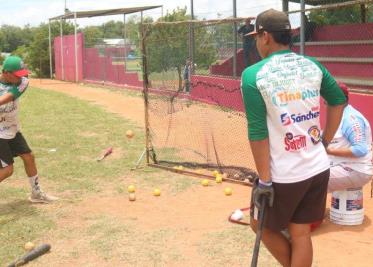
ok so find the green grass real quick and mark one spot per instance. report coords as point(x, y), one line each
point(66, 136)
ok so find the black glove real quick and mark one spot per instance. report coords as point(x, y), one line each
point(265, 190)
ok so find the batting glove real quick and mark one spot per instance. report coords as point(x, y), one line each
point(263, 189)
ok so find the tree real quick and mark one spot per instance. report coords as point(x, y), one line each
point(12, 37)
point(39, 48)
point(93, 35)
point(344, 15)
point(168, 44)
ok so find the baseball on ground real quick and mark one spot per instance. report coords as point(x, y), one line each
point(29, 246)
point(129, 134)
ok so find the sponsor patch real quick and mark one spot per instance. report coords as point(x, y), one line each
point(315, 134)
point(294, 142)
point(282, 98)
point(287, 119)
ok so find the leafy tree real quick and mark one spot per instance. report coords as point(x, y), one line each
point(168, 44)
point(93, 35)
point(39, 48)
point(12, 37)
point(344, 15)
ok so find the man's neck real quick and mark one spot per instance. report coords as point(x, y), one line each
point(276, 48)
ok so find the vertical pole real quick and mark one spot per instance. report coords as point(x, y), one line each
point(50, 49)
point(145, 89)
point(363, 13)
point(234, 40)
point(62, 52)
point(76, 50)
point(302, 26)
point(124, 41)
point(285, 6)
point(191, 38)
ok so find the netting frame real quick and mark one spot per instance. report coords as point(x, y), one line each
point(151, 158)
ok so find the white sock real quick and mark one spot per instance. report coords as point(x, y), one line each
point(34, 182)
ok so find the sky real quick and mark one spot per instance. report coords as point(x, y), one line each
point(34, 12)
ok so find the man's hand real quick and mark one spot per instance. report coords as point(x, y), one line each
point(265, 190)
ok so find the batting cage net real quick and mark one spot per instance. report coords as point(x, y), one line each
point(195, 118)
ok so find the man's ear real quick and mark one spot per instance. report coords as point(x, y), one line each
point(266, 37)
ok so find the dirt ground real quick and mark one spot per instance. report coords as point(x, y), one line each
point(334, 245)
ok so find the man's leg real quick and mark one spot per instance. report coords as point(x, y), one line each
point(37, 195)
point(29, 163)
point(6, 160)
point(6, 172)
point(301, 245)
point(276, 243)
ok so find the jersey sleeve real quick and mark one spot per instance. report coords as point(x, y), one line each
point(17, 91)
point(329, 90)
point(255, 107)
point(353, 128)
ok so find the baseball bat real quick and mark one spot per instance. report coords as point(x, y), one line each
point(107, 153)
point(33, 254)
point(259, 231)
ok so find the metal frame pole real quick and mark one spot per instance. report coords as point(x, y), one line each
point(76, 50)
point(191, 36)
point(302, 25)
point(145, 89)
point(124, 41)
point(62, 52)
point(50, 49)
point(234, 40)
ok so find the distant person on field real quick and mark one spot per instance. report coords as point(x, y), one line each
point(13, 83)
point(350, 151)
point(281, 96)
point(187, 72)
point(248, 43)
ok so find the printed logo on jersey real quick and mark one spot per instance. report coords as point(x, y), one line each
point(315, 134)
point(294, 142)
point(281, 98)
point(287, 119)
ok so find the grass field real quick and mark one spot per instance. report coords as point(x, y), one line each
point(67, 135)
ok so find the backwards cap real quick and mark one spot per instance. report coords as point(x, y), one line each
point(271, 21)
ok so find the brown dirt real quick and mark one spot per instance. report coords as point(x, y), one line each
point(192, 214)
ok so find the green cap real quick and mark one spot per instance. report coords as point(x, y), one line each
point(271, 21)
point(15, 65)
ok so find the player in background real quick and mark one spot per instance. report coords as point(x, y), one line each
point(350, 151)
point(13, 83)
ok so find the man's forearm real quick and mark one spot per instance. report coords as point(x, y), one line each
point(260, 150)
point(333, 119)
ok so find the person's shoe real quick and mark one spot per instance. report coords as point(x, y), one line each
point(41, 197)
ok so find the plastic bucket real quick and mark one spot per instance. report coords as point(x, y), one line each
point(347, 207)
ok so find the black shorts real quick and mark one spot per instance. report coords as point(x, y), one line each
point(302, 202)
point(10, 148)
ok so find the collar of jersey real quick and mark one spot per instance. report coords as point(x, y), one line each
point(280, 52)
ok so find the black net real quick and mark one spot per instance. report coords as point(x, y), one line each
point(196, 119)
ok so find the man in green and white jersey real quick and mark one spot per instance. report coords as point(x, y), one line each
point(281, 95)
point(13, 83)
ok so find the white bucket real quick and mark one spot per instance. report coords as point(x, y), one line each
point(347, 207)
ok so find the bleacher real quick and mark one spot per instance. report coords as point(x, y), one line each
point(346, 51)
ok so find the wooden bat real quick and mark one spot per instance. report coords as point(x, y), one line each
point(33, 254)
point(107, 153)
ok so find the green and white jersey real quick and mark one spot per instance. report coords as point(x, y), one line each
point(9, 124)
point(281, 95)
